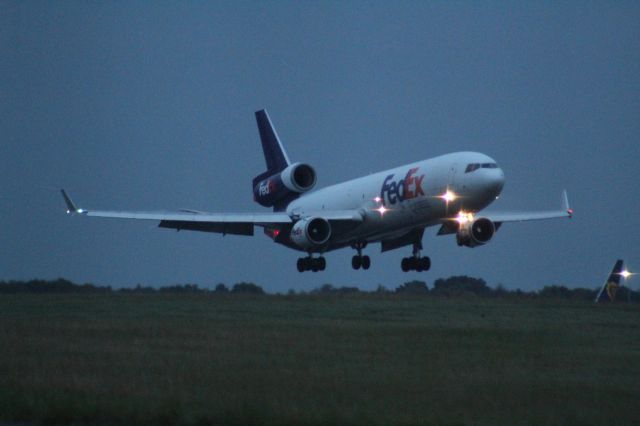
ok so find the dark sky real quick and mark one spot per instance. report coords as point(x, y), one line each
point(150, 106)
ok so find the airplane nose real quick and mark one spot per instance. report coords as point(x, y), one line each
point(496, 182)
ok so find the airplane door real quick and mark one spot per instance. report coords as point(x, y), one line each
point(453, 171)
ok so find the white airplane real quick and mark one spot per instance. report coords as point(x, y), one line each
point(392, 208)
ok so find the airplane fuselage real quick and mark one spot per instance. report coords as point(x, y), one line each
point(397, 200)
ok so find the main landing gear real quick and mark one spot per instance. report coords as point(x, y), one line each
point(311, 264)
point(416, 262)
point(359, 261)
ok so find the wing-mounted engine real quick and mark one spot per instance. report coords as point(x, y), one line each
point(285, 186)
point(311, 233)
point(475, 233)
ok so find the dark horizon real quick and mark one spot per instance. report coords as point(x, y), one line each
point(451, 287)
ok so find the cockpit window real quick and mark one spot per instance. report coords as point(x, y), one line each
point(475, 166)
point(472, 167)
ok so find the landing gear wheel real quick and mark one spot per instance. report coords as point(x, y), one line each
point(405, 264)
point(359, 261)
point(413, 263)
point(311, 264)
point(356, 262)
point(366, 262)
point(322, 263)
point(425, 263)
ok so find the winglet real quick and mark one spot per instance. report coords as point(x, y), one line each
point(565, 204)
point(71, 208)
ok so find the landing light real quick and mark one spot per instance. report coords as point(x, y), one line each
point(381, 208)
point(626, 274)
point(449, 196)
point(464, 217)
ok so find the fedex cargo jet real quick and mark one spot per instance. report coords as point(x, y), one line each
point(392, 208)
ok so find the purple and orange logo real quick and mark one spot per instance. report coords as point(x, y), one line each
point(410, 187)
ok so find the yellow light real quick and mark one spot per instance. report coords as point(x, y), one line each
point(464, 217)
point(626, 274)
point(449, 196)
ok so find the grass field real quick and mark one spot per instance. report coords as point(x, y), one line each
point(362, 359)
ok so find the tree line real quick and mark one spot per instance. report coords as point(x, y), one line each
point(456, 286)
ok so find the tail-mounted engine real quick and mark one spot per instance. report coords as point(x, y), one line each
point(311, 233)
point(285, 186)
point(475, 233)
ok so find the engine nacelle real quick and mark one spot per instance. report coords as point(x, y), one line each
point(289, 183)
point(299, 177)
point(476, 233)
point(311, 233)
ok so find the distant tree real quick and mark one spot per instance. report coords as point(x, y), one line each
point(90, 288)
point(221, 288)
point(324, 288)
point(330, 289)
point(587, 294)
point(413, 287)
point(247, 288)
point(521, 294)
point(59, 285)
point(500, 291)
point(555, 291)
point(178, 288)
point(382, 289)
point(139, 288)
point(347, 290)
point(460, 285)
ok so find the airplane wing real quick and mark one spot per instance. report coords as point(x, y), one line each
point(564, 211)
point(224, 223)
point(498, 218)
